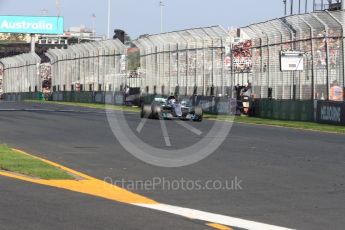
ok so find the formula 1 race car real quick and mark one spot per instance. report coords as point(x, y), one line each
point(169, 108)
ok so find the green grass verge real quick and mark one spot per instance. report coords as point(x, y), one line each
point(248, 120)
point(91, 105)
point(281, 123)
point(16, 162)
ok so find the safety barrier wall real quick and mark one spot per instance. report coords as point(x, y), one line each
point(22, 96)
point(284, 109)
point(116, 98)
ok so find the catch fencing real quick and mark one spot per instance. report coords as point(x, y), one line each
point(20, 74)
point(185, 62)
point(210, 61)
point(319, 37)
point(93, 66)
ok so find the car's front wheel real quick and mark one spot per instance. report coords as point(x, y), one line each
point(198, 114)
point(146, 111)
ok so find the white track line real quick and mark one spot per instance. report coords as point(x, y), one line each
point(141, 125)
point(211, 217)
point(189, 127)
point(165, 133)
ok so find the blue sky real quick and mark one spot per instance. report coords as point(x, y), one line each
point(143, 16)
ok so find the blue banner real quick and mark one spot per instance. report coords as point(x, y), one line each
point(31, 25)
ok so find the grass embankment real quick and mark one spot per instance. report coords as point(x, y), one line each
point(248, 120)
point(16, 162)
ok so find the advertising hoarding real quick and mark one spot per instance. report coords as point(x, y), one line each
point(31, 25)
point(330, 112)
point(292, 61)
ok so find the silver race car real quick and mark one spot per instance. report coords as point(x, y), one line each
point(169, 108)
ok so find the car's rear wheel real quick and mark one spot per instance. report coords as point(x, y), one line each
point(157, 112)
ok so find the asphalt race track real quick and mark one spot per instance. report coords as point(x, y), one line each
point(290, 178)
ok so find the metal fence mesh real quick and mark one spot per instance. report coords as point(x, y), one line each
point(319, 36)
point(184, 62)
point(94, 66)
point(192, 61)
point(20, 73)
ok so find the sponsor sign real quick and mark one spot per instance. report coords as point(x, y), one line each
point(242, 56)
point(31, 25)
point(292, 61)
point(330, 112)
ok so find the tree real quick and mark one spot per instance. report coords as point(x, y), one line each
point(133, 60)
point(16, 37)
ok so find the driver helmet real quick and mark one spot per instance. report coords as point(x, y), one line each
point(172, 101)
